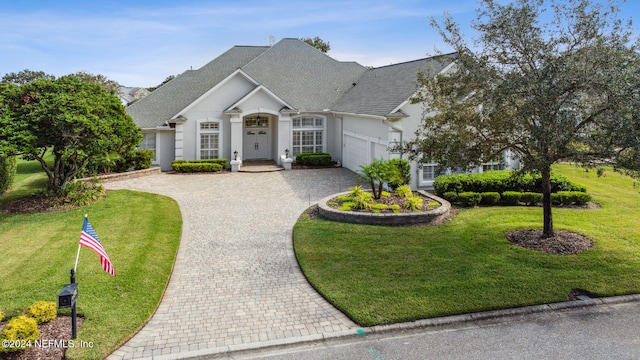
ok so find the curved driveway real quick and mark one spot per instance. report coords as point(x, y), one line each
point(236, 283)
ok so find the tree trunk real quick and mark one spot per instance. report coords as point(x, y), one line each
point(546, 203)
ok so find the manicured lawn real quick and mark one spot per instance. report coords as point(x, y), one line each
point(29, 178)
point(380, 275)
point(140, 232)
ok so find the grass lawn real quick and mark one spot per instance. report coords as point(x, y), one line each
point(139, 231)
point(380, 275)
point(29, 178)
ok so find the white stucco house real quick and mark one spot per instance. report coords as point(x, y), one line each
point(263, 100)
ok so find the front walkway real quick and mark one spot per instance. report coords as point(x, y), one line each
point(236, 283)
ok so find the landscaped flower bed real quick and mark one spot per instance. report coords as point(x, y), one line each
point(403, 207)
point(401, 200)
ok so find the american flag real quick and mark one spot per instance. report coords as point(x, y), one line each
point(89, 239)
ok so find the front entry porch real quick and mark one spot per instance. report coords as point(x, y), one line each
point(260, 166)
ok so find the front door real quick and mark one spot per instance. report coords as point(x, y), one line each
point(256, 139)
point(256, 144)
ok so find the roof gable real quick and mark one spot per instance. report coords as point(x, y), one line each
point(382, 90)
point(176, 95)
point(302, 75)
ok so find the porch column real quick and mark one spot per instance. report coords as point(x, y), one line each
point(284, 136)
point(236, 135)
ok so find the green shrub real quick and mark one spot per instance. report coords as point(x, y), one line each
point(404, 170)
point(191, 167)
point(469, 198)
point(403, 191)
point(333, 203)
point(347, 206)
point(22, 329)
point(42, 311)
point(82, 193)
point(501, 181)
point(313, 159)
point(142, 158)
point(451, 196)
point(511, 197)
point(581, 198)
point(560, 198)
point(7, 172)
point(413, 203)
point(343, 198)
point(570, 197)
point(395, 208)
point(355, 191)
point(531, 198)
point(178, 162)
point(363, 200)
point(489, 198)
point(224, 163)
point(385, 194)
point(380, 207)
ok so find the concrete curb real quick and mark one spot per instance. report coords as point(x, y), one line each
point(397, 327)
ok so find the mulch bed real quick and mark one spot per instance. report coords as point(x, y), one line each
point(58, 329)
point(30, 205)
point(563, 243)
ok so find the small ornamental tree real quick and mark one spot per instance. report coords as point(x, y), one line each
point(547, 87)
point(377, 173)
point(73, 118)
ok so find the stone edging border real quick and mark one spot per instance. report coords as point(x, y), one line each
point(432, 217)
point(125, 175)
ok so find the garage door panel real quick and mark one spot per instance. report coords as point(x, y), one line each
point(355, 151)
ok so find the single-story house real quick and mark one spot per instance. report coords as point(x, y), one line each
point(261, 101)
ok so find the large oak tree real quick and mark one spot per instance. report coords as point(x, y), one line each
point(72, 116)
point(548, 80)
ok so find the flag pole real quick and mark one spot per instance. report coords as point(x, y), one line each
point(78, 253)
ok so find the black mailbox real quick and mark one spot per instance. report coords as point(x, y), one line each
point(67, 296)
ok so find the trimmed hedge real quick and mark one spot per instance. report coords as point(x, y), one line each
point(531, 198)
point(570, 198)
point(489, 198)
point(501, 181)
point(469, 199)
point(210, 165)
point(196, 167)
point(313, 159)
point(222, 161)
point(511, 197)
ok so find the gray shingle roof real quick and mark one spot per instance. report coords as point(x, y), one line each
point(379, 91)
point(172, 97)
point(303, 76)
point(299, 74)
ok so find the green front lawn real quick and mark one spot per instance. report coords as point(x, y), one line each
point(140, 232)
point(379, 275)
point(29, 178)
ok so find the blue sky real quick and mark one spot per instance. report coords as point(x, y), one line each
point(141, 42)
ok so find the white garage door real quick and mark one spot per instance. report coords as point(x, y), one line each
point(355, 151)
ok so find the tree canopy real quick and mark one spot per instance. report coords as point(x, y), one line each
point(545, 86)
point(24, 77)
point(318, 43)
point(74, 118)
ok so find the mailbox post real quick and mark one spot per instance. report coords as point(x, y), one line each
point(67, 299)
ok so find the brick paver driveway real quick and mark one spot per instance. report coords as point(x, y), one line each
point(236, 283)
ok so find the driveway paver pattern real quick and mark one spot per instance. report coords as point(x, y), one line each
point(236, 283)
